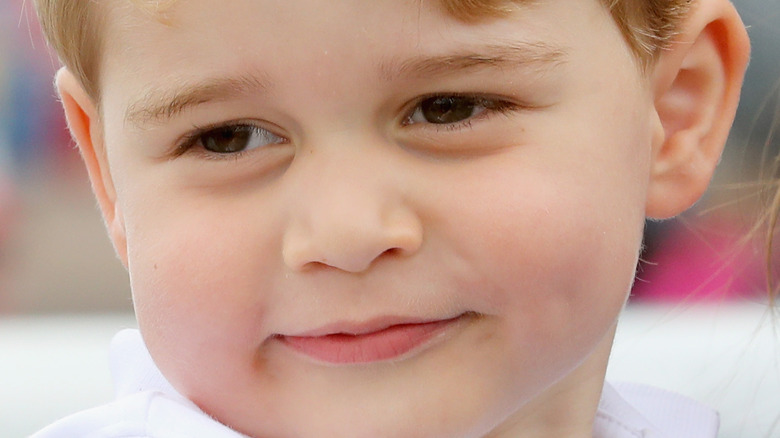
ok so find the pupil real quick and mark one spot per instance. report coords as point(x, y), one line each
point(442, 110)
point(227, 140)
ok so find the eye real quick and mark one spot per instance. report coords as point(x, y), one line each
point(453, 109)
point(227, 140)
point(236, 138)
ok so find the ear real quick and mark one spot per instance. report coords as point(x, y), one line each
point(86, 128)
point(696, 85)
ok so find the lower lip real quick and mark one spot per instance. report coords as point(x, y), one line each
point(391, 343)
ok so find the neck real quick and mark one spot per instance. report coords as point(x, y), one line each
point(568, 407)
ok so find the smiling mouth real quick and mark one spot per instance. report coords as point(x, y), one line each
point(387, 343)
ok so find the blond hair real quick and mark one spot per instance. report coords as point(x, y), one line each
point(73, 27)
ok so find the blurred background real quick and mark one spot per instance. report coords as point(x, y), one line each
point(63, 292)
point(54, 256)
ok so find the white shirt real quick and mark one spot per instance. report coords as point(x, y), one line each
point(629, 410)
point(147, 406)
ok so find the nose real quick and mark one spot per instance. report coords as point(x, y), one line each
point(349, 216)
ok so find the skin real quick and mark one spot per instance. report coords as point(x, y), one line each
point(525, 221)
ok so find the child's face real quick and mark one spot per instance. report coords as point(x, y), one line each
point(482, 184)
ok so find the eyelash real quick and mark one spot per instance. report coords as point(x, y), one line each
point(492, 106)
point(189, 141)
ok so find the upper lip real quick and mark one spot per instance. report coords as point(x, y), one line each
point(364, 327)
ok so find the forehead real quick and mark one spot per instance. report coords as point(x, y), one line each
point(467, 10)
point(181, 14)
point(414, 25)
point(235, 46)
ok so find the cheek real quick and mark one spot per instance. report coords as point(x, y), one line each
point(200, 278)
point(553, 248)
point(562, 252)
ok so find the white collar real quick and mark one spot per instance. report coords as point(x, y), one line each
point(629, 410)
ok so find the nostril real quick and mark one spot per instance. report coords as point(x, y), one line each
point(391, 252)
point(394, 252)
point(350, 243)
point(315, 265)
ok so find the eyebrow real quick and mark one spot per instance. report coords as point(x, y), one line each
point(500, 55)
point(159, 105)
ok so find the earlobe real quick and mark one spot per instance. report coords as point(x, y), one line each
point(85, 127)
point(696, 85)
